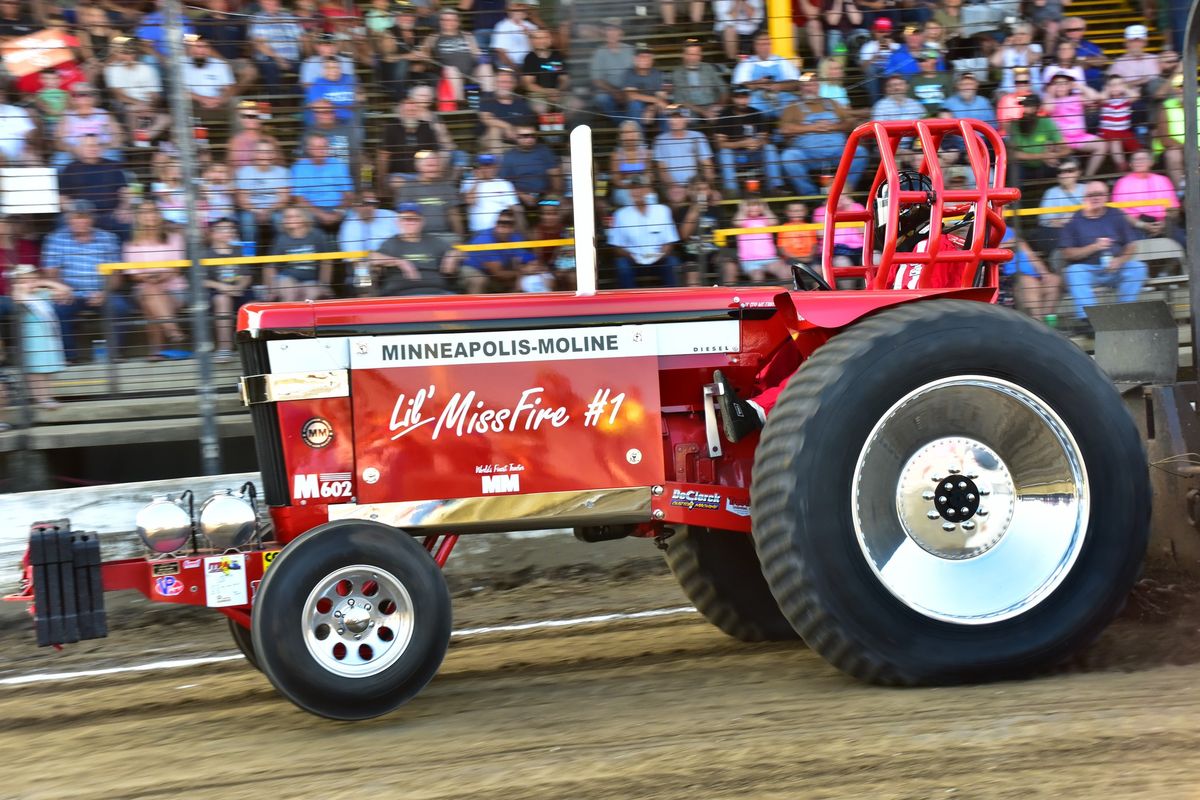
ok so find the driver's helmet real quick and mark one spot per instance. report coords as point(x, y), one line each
point(914, 218)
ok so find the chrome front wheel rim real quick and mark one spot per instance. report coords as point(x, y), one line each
point(358, 621)
point(970, 500)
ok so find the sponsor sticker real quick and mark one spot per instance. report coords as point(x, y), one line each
point(710, 501)
point(191, 563)
point(321, 486)
point(225, 581)
point(165, 568)
point(268, 557)
point(370, 475)
point(168, 586)
point(317, 432)
point(737, 508)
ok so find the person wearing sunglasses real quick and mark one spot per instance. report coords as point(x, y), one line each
point(532, 168)
point(1087, 52)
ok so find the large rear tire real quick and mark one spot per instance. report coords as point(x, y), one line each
point(352, 620)
point(719, 572)
point(949, 492)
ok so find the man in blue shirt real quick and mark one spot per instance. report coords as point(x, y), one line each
point(73, 255)
point(532, 168)
point(1087, 52)
point(322, 184)
point(1098, 244)
point(497, 270)
point(966, 103)
point(905, 60)
point(153, 31)
point(335, 87)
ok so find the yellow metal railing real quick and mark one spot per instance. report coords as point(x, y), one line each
point(124, 266)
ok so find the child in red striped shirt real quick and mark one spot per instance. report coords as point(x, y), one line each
point(1116, 120)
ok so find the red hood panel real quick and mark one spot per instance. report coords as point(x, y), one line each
point(820, 309)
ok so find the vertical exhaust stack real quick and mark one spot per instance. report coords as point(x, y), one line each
point(584, 200)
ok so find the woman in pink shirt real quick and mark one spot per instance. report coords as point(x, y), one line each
point(160, 292)
point(1064, 103)
point(757, 251)
point(1143, 185)
point(848, 241)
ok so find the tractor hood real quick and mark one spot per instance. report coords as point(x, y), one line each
point(448, 313)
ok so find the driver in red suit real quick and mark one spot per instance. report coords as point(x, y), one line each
point(742, 417)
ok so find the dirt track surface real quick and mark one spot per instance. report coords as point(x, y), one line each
point(664, 708)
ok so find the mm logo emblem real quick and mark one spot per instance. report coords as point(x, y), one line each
point(501, 484)
point(317, 432)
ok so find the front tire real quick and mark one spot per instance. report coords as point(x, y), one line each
point(949, 492)
point(719, 572)
point(245, 642)
point(352, 620)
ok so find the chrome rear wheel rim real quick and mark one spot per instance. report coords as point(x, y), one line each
point(970, 500)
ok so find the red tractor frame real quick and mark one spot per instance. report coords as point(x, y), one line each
point(943, 491)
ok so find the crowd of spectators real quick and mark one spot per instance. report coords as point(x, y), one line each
point(327, 127)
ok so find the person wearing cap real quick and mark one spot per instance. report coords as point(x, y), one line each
point(498, 270)
point(770, 78)
point(645, 94)
point(437, 196)
point(930, 87)
point(510, 37)
point(532, 168)
point(367, 225)
point(735, 21)
point(239, 151)
point(743, 138)
point(210, 83)
point(905, 60)
point(487, 195)
point(681, 154)
point(1035, 142)
point(966, 103)
point(73, 254)
point(276, 38)
point(410, 261)
point(1064, 103)
point(312, 68)
point(875, 53)
point(321, 184)
point(644, 237)
point(607, 69)
point(1136, 66)
point(816, 129)
point(1019, 50)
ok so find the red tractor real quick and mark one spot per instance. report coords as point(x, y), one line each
point(943, 490)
